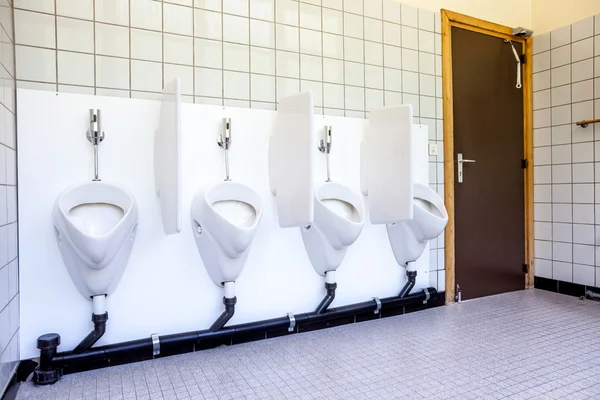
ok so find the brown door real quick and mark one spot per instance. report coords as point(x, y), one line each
point(488, 128)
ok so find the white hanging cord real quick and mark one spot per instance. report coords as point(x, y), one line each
point(519, 85)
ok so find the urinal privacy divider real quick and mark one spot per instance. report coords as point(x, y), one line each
point(167, 158)
point(291, 161)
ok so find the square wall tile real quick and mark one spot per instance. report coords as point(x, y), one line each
point(112, 72)
point(374, 53)
point(409, 16)
point(34, 29)
point(112, 11)
point(333, 96)
point(333, 21)
point(310, 42)
point(583, 49)
point(208, 82)
point(354, 98)
point(287, 38)
point(236, 29)
point(207, 24)
point(392, 35)
point(541, 81)
point(410, 38)
point(541, 62)
point(112, 40)
point(178, 49)
point(316, 88)
point(583, 213)
point(543, 268)
point(288, 64)
point(354, 73)
point(562, 271)
point(262, 61)
point(541, 99)
point(391, 11)
point(287, 87)
point(238, 7)
point(583, 234)
point(310, 16)
point(333, 71)
point(286, 12)
point(583, 70)
point(179, 20)
point(541, 43)
point(582, 29)
point(373, 30)
point(542, 193)
point(147, 45)
point(35, 64)
point(562, 232)
point(353, 6)
point(263, 88)
point(353, 25)
point(236, 85)
point(260, 9)
point(560, 56)
point(236, 57)
point(75, 34)
point(75, 68)
point(560, 37)
point(583, 274)
point(148, 15)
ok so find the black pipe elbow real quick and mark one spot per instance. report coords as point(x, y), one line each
point(328, 299)
point(99, 321)
point(410, 283)
point(226, 315)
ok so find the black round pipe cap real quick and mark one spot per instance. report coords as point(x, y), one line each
point(48, 341)
point(45, 377)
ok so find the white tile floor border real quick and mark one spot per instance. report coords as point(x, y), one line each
point(523, 345)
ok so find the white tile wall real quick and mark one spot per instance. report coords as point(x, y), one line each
point(41, 33)
point(566, 156)
point(352, 54)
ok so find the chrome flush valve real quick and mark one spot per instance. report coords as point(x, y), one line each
point(224, 141)
point(325, 147)
point(95, 135)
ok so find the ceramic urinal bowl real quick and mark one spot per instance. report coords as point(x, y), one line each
point(409, 238)
point(338, 221)
point(95, 225)
point(224, 220)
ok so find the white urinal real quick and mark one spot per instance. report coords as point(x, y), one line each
point(409, 238)
point(95, 225)
point(338, 221)
point(224, 221)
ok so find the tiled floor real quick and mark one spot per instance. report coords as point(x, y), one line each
point(523, 345)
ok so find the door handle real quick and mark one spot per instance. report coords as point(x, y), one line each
point(460, 160)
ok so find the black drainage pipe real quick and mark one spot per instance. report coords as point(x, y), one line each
point(226, 315)
point(328, 299)
point(144, 348)
point(410, 283)
point(99, 321)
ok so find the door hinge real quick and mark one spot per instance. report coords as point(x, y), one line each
point(524, 163)
point(525, 268)
point(523, 59)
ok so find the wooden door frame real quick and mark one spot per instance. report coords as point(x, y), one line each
point(451, 19)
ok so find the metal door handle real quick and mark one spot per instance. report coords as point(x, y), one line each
point(460, 160)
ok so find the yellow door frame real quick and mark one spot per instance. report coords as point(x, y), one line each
point(451, 19)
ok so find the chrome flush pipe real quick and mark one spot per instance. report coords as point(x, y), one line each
point(224, 141)
point(95, 136)
point(325, 147)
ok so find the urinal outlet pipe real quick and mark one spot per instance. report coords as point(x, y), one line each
point(99, 304)
point(410, 282)
point(142, 349)
point(226, 315)
point(229, 289)
point(99, 321)
point(330, 286)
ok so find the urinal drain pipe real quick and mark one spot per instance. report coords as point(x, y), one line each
point(99, 321)
point(226, 315)
point(328, 299)
point(142, 349)
point(410, 283)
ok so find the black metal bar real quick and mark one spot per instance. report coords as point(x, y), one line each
point(144, 347)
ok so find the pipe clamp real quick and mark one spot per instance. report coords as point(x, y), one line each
point(376, 299)
point(292, 322)
point(427, 296)
point(155, 344)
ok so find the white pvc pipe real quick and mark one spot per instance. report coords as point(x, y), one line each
point(330, 277)
point(229, 290)
point(99, 304)
point(411, 266)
